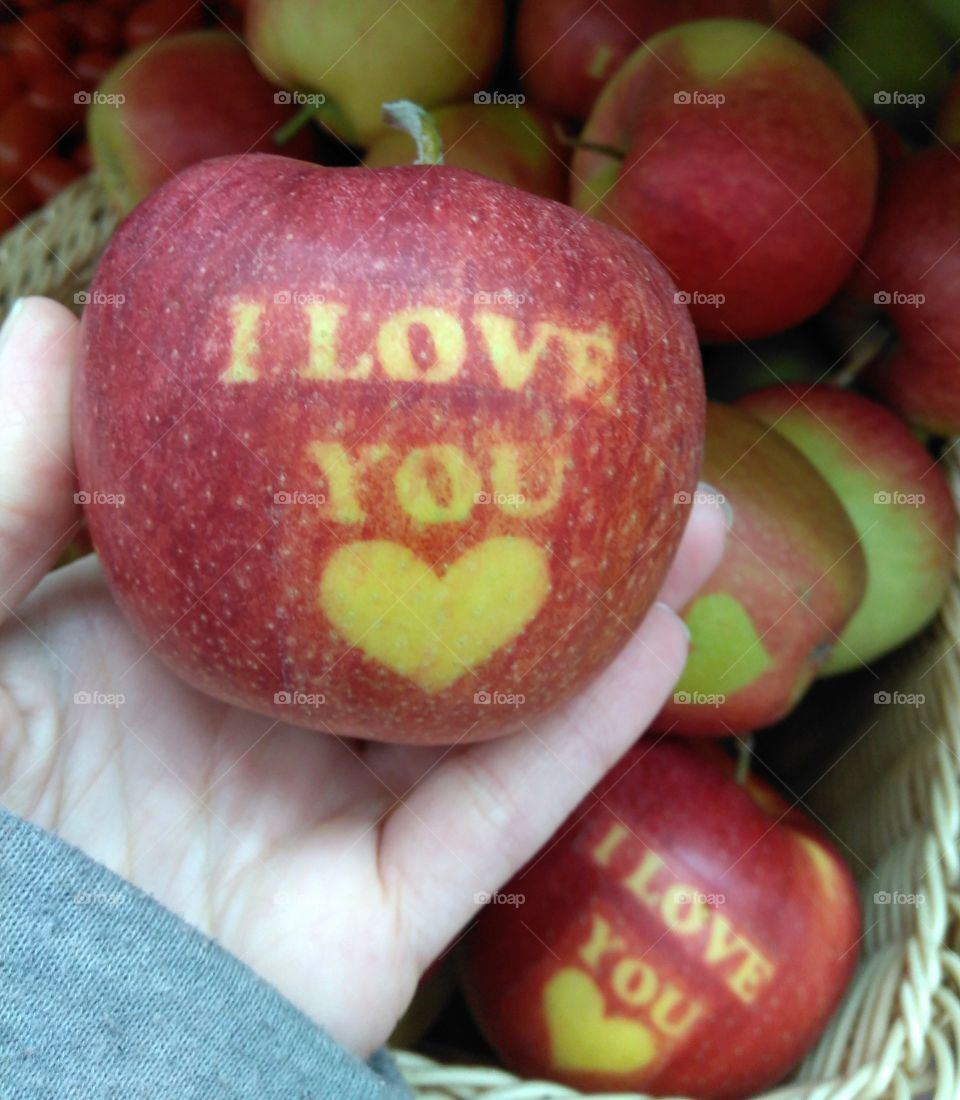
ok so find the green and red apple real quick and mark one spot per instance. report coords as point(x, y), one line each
point(177, 101)
point(791, 577)
point(896, 496)
point(910, 278)
point(379, 451)
point(505, 141)
point(680, 935)
point(568, 49)
point(741, 161)
point(358, 54)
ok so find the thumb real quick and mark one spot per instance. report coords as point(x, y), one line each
point(38, 515)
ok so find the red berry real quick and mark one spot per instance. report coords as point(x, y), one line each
point(41, 44)
point(92, 66)
point(59, 95)
point(158, 18)
point(26, 135)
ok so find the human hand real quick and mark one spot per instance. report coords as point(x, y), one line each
point(336, 869)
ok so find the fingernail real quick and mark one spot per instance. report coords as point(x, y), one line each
point(10, 323)
point(705, 491)
point(666, 607)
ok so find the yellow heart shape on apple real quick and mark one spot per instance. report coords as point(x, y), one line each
point(432, 629)
point(583, 1037)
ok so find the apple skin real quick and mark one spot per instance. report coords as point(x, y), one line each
point(568, 49)
point(910, 259)
point(786, 128)
point(738, 1023)
point(362, 53)
point(187, 97)
point(512, 144)
point(790, 578)
point(948, 113)
point(422, 532)
point(896, 496)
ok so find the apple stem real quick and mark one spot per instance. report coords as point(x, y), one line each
point(566, 138)
point(744, 756)
point(401, 114)
point(294, 124)
point(862, 354)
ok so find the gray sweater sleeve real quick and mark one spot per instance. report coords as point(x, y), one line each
point(106, 994)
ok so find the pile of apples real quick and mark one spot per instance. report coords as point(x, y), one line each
point(53, 55)
point(403, 451)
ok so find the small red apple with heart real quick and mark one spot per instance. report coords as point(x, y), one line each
point(402, 454)
point(680, 935)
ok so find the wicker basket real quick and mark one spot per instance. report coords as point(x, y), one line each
point(892, 797)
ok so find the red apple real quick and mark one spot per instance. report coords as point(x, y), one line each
point(746, 168)
point(897, 498)
point(791, 577)
point(911, 275)
point(568, 49)
point(356, 54)
point(680, 935)
point(503, 140)
point(178, 101)
point(389, 463)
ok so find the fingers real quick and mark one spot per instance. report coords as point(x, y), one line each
point(700, 549)
point(483, 811)
point(38, 348)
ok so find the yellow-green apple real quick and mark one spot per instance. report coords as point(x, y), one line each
point(389, 464)
point(568, 49)
point(896, 496)
point(680, 935)
point(910, 278)
point(356, 54)
point(503, 140)
point(791, 576)
point(746, 168)
point(891, 54)
point(178, 101)
point(733, 369)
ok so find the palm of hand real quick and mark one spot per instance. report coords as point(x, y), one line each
point(337, 870)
